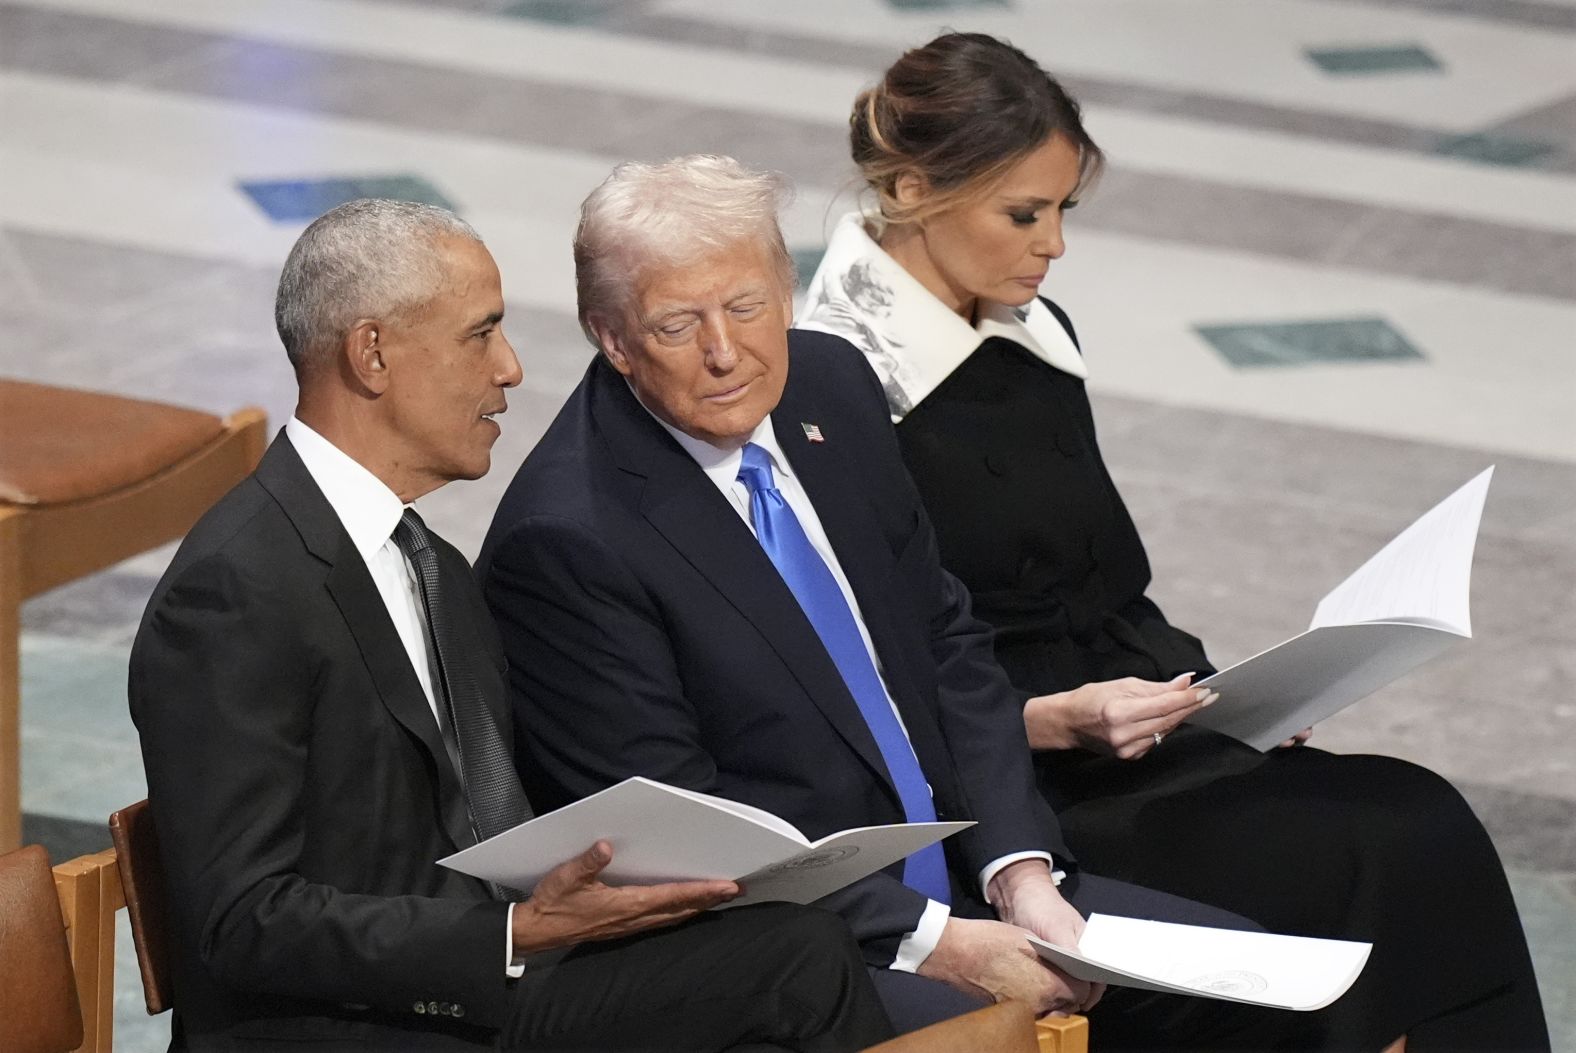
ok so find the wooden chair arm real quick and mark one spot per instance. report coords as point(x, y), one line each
point(1063, 1034)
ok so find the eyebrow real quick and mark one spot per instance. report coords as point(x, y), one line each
point(666, 311)
point(664, 314)
point(486, 323)
point(1031, 202)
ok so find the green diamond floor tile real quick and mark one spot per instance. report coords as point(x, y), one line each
point(1259, 344)
point(564, 12)
point(1495, 149)
point(1548, 914)
point(945, 5)
point(1400, 58)
point(299, 200)
point(805, 261)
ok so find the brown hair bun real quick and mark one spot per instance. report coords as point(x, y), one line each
point(960, 112)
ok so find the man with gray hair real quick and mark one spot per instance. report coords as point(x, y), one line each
point(319, 692)
point(714, 570)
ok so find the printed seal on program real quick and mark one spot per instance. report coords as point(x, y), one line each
point(813, 860)
point(1230, 982)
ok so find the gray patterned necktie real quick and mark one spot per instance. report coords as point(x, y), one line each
point(487, 775)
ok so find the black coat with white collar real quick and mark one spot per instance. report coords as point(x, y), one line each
point(1005, 456)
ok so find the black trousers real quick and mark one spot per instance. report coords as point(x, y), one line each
point(1318, 844)
point(773, 976)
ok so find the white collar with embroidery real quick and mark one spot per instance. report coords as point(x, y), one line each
point(912, 339)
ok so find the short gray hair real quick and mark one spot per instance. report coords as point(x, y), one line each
point(370, 258)
point(672, 212)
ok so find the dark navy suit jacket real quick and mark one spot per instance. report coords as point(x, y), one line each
point(649, 634)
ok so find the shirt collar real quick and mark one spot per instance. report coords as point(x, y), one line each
point(367, 508)
point(720, 465)
point(913, 340)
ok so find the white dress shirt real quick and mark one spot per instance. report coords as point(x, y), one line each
point(722, 468)
point(369, 511)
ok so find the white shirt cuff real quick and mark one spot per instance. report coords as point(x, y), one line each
point(916, 946)
point(512, 969)
point(996, 866)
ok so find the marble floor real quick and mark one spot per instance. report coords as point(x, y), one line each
point(1330, 275)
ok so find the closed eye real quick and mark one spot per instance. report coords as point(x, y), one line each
point(675, 330)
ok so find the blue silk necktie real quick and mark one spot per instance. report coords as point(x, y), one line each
point(812, 584)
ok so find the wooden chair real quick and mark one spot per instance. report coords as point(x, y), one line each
point(89, 892)
point(142, 878)
point(87, 480)
point(1062, 1034)
point(39, 1010)
point(1008, 1027)
point(57, 951)
point(60, 947)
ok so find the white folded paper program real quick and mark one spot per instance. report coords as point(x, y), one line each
point(1259, 968)
point(1401, 608)
point(662, 833)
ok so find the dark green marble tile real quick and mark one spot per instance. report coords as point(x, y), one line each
point(1305, 343)
point(1548, 914)
point(945, 5)
point(564, 12)
point(1398, 58)
point(805, 261)
point(296, 200)
point(1495, 149)
point(65, 838)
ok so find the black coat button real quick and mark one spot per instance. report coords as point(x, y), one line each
point(996, 464)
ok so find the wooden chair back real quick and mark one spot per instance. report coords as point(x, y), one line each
point(39, 1010)
point(142, 878)
point(76, 496)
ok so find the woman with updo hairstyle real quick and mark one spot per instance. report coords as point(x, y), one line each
point(973, 155)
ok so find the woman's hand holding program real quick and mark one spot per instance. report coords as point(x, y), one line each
point(1118, 717)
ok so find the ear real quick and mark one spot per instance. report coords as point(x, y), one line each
point(364, 355)
point(910, 188)
point(611, 341)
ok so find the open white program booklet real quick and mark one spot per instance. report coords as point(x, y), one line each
point(1401, 608)
point(1260, 968)
point(662, 833)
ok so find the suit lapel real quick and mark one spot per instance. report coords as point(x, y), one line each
point(350, 585)
point(683, 505)
point(854, 530)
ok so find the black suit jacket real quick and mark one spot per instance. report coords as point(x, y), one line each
point(649, 634)
point(301, 788)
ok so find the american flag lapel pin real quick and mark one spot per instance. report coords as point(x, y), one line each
point(812, 432)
